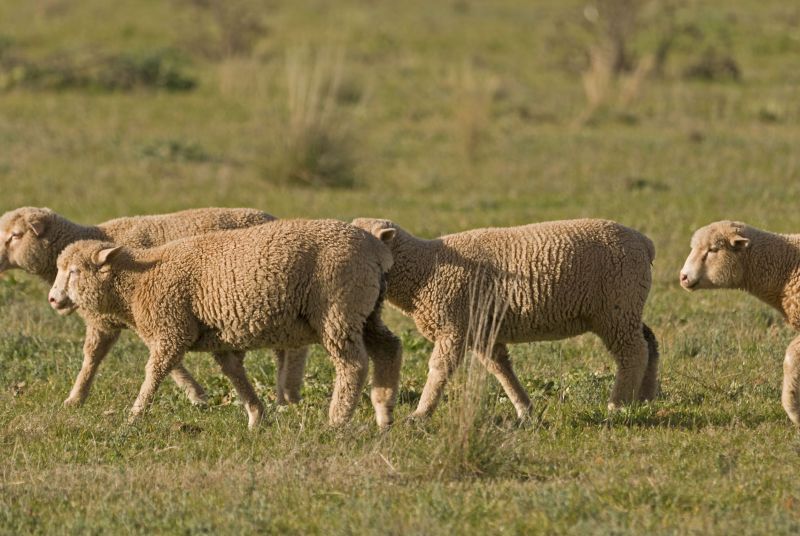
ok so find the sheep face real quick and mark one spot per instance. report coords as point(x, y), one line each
point(383, 230)
point(84, 277)
point(23, 240)
point(717, 257)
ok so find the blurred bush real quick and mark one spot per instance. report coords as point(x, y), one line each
point(158, 69)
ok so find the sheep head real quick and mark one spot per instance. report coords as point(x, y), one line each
point(84, 277)
point(24, 240)
point(717, 257)
point(383, 230)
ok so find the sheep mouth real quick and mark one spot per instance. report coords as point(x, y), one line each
point(64, 308)
point(690, 285)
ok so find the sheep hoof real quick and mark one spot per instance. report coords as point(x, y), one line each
point(72, 402)
point(199, 402)
point(613, 407)
point(417, 417)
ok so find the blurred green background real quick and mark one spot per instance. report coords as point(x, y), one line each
point(443, 116)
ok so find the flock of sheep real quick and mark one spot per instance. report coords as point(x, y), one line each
point(230, 280)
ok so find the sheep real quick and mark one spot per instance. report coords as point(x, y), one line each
point(32, 238)
point(282, 285)
point(732, 254)
point(558, 279)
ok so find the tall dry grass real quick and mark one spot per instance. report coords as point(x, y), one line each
point(469, 443)
point(472, 107)
point(318, 145)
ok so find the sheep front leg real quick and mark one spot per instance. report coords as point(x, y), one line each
point(499, 364)
point(351, 363)
point(386, 352)
point(161, 361)
point(193, 390)
point(446, 356)
point(790, 395)
point(232, 364)
point(97, 343)
point(291, 367)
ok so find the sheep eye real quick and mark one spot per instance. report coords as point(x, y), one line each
point(713, 250)
point(74, 271)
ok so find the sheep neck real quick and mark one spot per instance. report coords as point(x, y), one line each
point(122, 289)
point(772, 263)
point(414, 261)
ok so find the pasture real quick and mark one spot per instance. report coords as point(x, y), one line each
point(442, 116)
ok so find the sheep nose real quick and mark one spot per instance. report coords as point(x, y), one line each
point(684, 277)
point(52, 299)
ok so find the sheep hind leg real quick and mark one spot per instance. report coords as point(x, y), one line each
point(631, 355)
point(447, 355)
point(193, 390)
point(386, 352)
point(290, 367)
point(232, 364)
point(650, 384)
point(790, 395)
point(351, 362)
point(499, 364)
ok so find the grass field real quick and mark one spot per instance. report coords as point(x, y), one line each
point(443, 116)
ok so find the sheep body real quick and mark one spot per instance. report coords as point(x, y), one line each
point(734, 255)
point(31, 239)
point(282, 285)
point(557, 279)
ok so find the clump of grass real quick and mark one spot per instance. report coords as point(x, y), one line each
point(318, 147)
point(469, 443)
point(614, 76)
point(175, 151)
point(233, 27)
point(473, 98)
point(714, 65)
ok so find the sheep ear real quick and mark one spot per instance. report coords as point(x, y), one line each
point(383, 232)
point(739, 242)
point(37, 225)
point(386, 235)
point(105, 255)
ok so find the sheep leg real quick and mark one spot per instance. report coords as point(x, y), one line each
point(96, 345)
point(232, 364)
point(446, 356)
point(790, 395)
point(386, 352)
point(499, 364)
point(649, 388)
point(291, 367)
point(194, 391)
point(159, 364)
point(631, 355)
point(351, 363)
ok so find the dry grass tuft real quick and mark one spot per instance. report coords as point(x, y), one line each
point(469, 444)
point(472, 103)
point(318, 148)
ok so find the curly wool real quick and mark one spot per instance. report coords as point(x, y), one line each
point(282, 285)
point(41, 235)
point(734, 255)
point(558, 279)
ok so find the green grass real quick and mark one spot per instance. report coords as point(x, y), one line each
point(715, 454)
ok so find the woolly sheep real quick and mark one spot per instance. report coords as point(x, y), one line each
point(730, 254)
point(559, 279)
point(282, 285)
point(32, 238)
